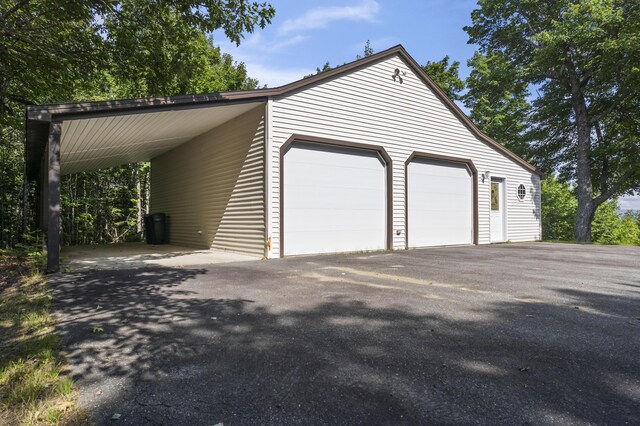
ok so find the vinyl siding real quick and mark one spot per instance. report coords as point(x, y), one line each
point(367, 106)
point(215, 184)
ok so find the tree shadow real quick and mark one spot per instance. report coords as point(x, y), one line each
point(177, 346)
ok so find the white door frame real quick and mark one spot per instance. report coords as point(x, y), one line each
point(502, 204)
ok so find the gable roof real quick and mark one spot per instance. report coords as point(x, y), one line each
point(39, 116)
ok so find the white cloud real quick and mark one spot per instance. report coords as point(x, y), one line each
point(258, 55)
point(321, 17)
point(257, 43)
point(281, 44)
point(258, 51)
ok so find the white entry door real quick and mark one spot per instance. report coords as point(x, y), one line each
point(439, 203)
point(498, 211)
point(334, 200)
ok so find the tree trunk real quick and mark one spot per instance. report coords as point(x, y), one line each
point(138, 200)
point(586, 208)
point(584, 216)
point(147, 189)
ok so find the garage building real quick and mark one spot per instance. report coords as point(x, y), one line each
point(371, 155)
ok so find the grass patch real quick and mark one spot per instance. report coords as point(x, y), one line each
point(567, 242)
point(34, 384)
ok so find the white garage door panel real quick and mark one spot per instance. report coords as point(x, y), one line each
point(440, 206)
point(334, 200)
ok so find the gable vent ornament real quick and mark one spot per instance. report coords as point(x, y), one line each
point(396, 75)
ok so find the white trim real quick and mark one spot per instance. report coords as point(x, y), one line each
point(502, 204)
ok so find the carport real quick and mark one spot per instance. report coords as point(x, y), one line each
point(70, 138)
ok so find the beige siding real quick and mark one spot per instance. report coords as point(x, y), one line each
point(367, 106)
point(212, 187)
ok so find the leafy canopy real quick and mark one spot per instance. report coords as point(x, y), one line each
point(66, 51)
point(583, 58)
point(50, 49)
point(497, 99)
point(446, 76)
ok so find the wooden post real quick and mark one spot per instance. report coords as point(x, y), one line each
point(53, 197)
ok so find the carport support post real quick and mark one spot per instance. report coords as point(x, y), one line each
point(53, 197)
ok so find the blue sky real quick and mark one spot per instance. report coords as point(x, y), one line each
point(306, 34)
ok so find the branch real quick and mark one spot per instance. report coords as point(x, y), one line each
point(613, 188)
point(615, 103)
point(605, 161)
point(586, 78)
point(14, 9)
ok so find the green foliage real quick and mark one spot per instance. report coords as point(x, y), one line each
point(326, 67)
point(498, 101)
point(559, 206)
point(368, 50)
point(11, 181)
point(33, 387)
point(446, 76)
point(105, 206)
point(60, 51)
point(610, 228)
point(582, 57)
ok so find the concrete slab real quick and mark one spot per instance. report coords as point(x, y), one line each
point(140, 255)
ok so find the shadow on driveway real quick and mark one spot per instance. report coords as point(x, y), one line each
point(181, 346)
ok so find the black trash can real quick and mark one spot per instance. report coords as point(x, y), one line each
point(156, 228)
point(148, 232)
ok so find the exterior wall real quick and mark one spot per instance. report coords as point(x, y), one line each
point(368, 106)
point(215, 184)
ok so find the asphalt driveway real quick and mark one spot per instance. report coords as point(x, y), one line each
point(503, 334)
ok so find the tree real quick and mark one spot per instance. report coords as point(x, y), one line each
point(326, 67)
point(610, 228)
point(559, 207)
point(368, 50)
point(497, 99)
point(446, 76)
point(583, 56)
point(41, 62)
point(62, 51)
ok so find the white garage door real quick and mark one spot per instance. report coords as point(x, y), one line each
point(440, 203)
point(334, 200)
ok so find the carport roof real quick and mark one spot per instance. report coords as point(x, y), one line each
point(40, 116)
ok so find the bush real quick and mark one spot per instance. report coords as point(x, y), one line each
point(610, 228)
point(559, 207)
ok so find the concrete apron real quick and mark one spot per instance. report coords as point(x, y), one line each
point(140, 255)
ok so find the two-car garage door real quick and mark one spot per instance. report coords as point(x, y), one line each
point(335, 200)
